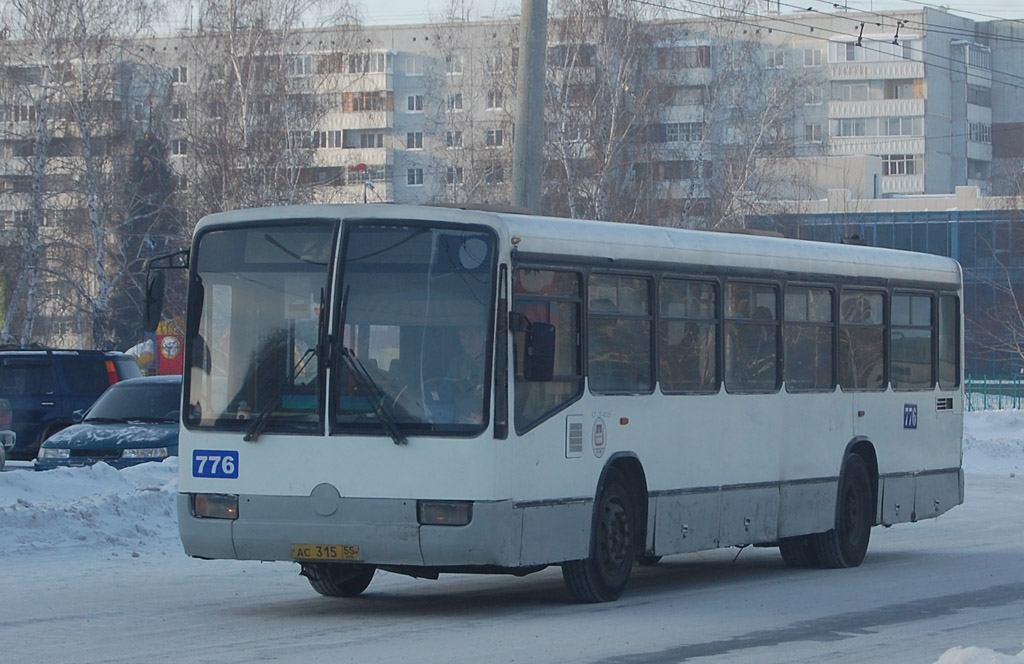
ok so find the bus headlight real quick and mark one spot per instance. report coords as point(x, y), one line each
point(215, 506)
point(444, 512)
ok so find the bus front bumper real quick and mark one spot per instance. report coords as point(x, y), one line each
point(385, 532)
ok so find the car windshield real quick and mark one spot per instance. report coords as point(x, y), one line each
point(138, 402)
point(416, 304)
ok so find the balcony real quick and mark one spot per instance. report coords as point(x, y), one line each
point(880, 108)
point(869, 71)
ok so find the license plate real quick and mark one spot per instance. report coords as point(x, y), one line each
point(325, 552)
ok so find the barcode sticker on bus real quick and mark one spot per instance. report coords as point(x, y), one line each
point(221, 464)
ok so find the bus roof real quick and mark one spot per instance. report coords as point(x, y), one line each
point(559, 238)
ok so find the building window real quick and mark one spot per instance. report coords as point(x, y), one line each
point(812, 57)
point(495, 138)
point(24, 113)
point(813, 133)
point(179, 146)
point(901, 164)
point(687, 57)
point(493, 63)
point(777, 59)
point(813, 96)
point(494, 174)
point(415, 103)
point(370, 63)
point(369, 139)
point(454, 175)
point(415, 177)
point(300, 65)
point(455, 102)
point(327, 139)
point(494, 99)
point(980, 132)
point(453, 139)
point(453, 63)
point(414, 140)
point(179, 111)
point(179, 74)
point(683, 132)
point(979, 95)
point(414, 66)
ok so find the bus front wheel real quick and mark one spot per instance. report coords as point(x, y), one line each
point(847, 543)
point(602, 576)
point(338, 579)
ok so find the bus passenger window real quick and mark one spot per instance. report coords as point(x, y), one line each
point(808, 339)
point(751, 338)
point(861, 340)
point(552, 297)
point(687, 348)
point(619, 334)
point(911, 341)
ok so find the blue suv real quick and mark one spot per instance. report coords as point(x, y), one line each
point(46, 387)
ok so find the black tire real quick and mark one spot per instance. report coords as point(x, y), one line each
point(338, 579)
point(602, 576)
point(798, 552)
point(3, 458)
point(847, 543)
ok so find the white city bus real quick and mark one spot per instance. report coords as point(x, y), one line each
point(427, 390)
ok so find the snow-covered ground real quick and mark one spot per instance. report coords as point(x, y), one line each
point(99, 514)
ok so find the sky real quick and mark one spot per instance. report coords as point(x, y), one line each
point(423, 11)
point(59, 525)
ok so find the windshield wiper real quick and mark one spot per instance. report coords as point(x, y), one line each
point(375, 395)
point(106, 420)
point(263, 418)
point(367, 385)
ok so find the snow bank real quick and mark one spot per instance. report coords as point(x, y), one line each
point(972, 655)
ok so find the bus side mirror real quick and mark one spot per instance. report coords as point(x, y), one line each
point(539, 362)
point(154, 302)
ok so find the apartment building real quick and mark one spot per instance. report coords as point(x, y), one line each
point(712, 119)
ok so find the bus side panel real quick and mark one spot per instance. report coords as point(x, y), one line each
point(556, 532)
point(807, 507)
point(686, 522)
point(936, 493)
point(897, 498)
point(749, 515)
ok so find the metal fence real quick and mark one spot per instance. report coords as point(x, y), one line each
point(984, 393)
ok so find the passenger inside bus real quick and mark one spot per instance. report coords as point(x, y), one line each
point(467, 373)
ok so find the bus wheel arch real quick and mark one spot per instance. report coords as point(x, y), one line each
point(845, 545)
point(616, 536)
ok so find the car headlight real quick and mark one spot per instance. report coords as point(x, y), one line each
point(54, 453)
point(145, 453)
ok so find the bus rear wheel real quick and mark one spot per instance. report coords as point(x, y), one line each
point(602, 576)
point(798, 552)
point(338, 579)
point(847, 543)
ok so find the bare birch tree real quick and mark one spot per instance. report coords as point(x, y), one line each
point(246, 97)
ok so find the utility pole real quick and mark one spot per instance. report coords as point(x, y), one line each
point(528, 140)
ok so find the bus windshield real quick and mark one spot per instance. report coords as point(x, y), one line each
point(416, 306)
point(256, 311)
